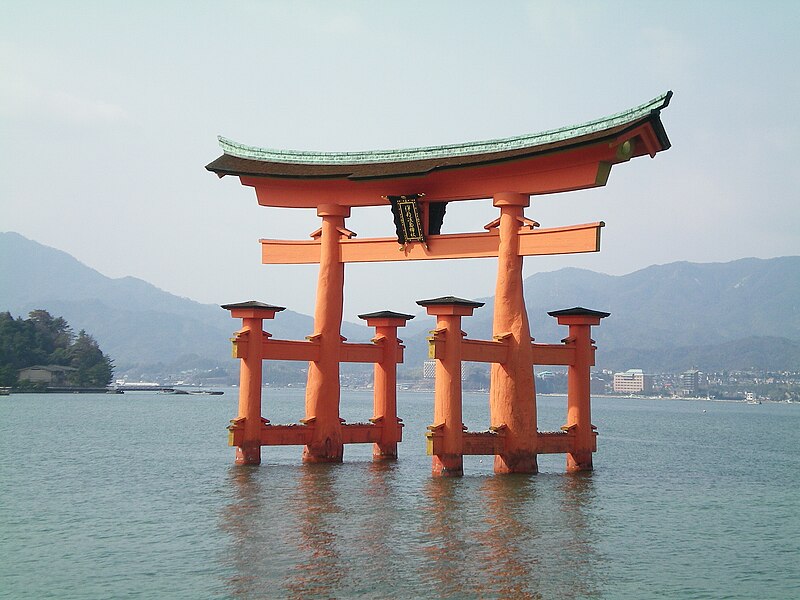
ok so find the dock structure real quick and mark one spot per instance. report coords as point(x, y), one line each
point(415, 185)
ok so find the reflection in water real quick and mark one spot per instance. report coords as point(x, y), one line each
point(580, 508)
point(320, 569)
point(510, 537)
point(513, 567)
point(238, 522)
point(281, 530)
point(446, 548)
point(480, 538)
point(368, 530)
point(378, 534)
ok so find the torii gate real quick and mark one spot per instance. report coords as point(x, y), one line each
point(507, 170)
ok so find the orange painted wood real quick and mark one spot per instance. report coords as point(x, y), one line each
point(555, 442)
point(289, 252)
point(581, 168)
point(484, 351)
point(248, 450)
point(322, 386)
point(361, 433)
point(385, 386)
point(290, 350)
point(286, 435)
point(553, 354)
point(579, 403)
point(559, 442)
point(558, 240)
point(360, 353)
point(454, 245)
point(448, 459)
point(512, 388)
point(482, 443)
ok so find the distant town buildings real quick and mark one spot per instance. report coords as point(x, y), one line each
point(690, 382)
point(632, 381)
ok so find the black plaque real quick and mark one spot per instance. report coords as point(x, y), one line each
point(407, 221)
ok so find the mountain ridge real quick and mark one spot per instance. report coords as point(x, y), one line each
point(136, 323)
point(658, 313)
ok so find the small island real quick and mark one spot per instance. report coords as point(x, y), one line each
point(43, 354)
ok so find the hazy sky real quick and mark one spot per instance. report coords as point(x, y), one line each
point(109, 112)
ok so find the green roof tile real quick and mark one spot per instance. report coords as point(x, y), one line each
point(300, 157)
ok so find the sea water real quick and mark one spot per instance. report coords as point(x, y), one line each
point(136, 496)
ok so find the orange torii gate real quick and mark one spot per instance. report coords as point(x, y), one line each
point(417, 183)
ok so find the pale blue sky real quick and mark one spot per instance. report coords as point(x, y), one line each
point(110, 110)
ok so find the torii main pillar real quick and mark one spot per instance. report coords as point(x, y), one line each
point(322, 389)
point(512, 396)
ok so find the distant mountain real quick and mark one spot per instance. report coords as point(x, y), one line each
point(667, 317)
point(760, 353)
point(678, 304)
point(134, 322)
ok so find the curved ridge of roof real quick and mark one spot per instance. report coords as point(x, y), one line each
point(305, 157)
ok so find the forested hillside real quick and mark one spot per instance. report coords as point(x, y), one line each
point(44, 340)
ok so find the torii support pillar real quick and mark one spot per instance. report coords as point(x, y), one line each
point(579, 411)
point(385, 382)
point(447, 413)
point(249, 418)
point(512, 393)
point(322, 389)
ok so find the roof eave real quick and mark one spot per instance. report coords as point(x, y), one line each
point(231, 164)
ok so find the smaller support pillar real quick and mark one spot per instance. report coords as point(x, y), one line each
point(448, 460)
point(248, 347)
point(385, 384)
point(579, 411)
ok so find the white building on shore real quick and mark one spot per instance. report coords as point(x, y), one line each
point(632, 381)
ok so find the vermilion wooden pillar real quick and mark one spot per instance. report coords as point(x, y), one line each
point(385, 382)
point(322, 389)
point(252, 314)
point(512, 395)
point(579, 411)
point(447, 413)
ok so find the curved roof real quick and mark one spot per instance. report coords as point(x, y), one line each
point(240, 159)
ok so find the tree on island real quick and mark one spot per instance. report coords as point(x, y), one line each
point(44, 340)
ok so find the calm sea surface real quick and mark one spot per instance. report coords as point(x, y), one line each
point(136, 496)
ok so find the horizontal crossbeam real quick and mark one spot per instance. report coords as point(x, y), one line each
point(484, 351)
point(553, 354)
point(360, 353)
point(301, 435)
point(486, 244)
point(560, 442)
point(290, 350)
point(310, 350)
point(491, 442)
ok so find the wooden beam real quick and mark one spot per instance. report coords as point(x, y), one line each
point(561, 240)
point(558, 172)
point(290, 350)
point(360, 353)
point(476, 443)
point(557, 240)
point(553, 354)
point(484, 351)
